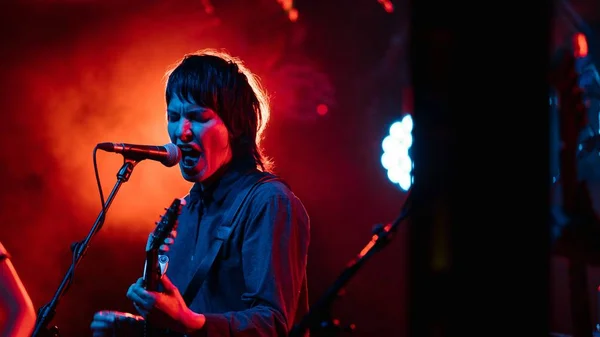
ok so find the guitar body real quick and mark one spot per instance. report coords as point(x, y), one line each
point(155, 265)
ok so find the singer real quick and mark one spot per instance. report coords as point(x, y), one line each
point(216, 113)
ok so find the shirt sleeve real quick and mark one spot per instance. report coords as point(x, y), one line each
point(274, 256)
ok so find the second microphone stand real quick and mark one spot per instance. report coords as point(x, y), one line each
point(319, 320)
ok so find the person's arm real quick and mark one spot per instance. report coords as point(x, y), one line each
point(17, 315)
point(274, 255)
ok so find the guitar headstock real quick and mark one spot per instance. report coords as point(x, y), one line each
point(166, 225)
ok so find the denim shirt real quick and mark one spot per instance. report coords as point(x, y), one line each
point(257, 286)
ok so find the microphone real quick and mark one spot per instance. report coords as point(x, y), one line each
point(168, 154)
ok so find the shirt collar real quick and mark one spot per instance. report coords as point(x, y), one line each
point(221, 183)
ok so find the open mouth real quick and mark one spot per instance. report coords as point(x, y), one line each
point(189, 156)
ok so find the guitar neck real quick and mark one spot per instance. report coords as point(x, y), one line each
point(152, 271)
point(152, 274)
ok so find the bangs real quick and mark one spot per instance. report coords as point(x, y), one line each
point(222, 83)
point(194, 81)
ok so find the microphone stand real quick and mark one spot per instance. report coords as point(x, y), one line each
point(319, 320)
point(47, 312)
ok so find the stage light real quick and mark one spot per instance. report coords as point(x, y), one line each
point(580, 45)
point(396, 157)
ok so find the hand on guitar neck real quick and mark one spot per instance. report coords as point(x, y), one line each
point(163, 310)
point(158, 258)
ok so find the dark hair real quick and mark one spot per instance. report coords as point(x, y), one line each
point(221, 82)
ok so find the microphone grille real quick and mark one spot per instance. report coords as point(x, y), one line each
point(173, 155)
